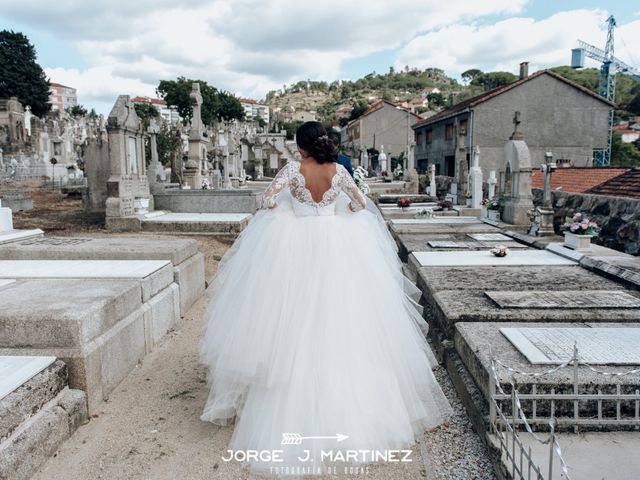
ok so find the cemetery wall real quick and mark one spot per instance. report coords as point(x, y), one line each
point(619, 217)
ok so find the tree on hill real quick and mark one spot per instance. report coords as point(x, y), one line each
point(470, 75)
point(216, 104)
point(20, 74)
point(491, 80)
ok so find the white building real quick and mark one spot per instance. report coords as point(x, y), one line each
point(254, 109)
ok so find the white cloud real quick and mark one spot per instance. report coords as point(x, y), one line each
point(503, 45)
point(251, 46)
point(245, 46)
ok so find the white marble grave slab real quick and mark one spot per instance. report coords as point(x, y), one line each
point(490, 237)
point(573, 299)
point(435, 220)
point(14, 235)
point(200, 217)
point(79, 268)
point(486, 258)
point(614, 346)
point(15, 371)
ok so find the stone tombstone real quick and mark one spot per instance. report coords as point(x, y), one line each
point(155, 173)
point(128, 188)
point(383, 164)
point(96, 165)
point(198, 143)
point(491, 184)
point(432, 181)
point(475, 179)
point(543, 215)
point(462, 168)
point(517, 179)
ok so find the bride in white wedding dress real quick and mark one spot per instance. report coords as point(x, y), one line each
point(313, 345)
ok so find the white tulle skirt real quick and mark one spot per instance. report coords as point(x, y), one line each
point(311, 334)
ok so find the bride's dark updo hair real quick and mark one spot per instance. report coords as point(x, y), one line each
point(313, 139)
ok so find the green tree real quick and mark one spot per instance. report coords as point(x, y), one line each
point(359, 107)
point(493, 80)
point(470, 75)
point(146, 112)
point(436, 99)
point(20, 74)
point(623, 154)
point(216, 104)
point(77, 111)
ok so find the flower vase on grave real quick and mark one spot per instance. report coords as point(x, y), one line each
point(577, 242)
point(493, 215)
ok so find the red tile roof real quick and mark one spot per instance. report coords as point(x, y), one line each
point(625, 185)
point(155, 101)
point(483, 97)
point(577, 179)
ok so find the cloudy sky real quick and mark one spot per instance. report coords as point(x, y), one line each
point(106, 48)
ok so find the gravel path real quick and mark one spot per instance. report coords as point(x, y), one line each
point(456, 452)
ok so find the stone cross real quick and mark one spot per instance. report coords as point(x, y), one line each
point(491, 182)
point(516, 135)
point(548, 167)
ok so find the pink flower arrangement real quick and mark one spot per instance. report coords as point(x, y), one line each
point(580, 224)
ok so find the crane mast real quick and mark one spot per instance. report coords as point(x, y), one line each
point(610, 66)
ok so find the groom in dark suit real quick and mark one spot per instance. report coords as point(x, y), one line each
point(343, 159)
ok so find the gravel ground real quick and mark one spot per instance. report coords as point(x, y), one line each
point(456, 452)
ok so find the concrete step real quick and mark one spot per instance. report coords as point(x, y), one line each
point(36, 417)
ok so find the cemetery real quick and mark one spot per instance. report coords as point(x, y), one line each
point(531, 296)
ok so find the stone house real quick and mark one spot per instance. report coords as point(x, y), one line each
point(556, 115)
point(383, 124)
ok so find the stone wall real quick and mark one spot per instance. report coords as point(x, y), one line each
point(619, 217)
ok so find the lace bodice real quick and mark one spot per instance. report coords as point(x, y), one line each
point(290, 176)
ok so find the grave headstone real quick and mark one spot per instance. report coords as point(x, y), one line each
point(491, 184)
point(518, 201)
point(128, 187)
point(475, 179)
point(432, 181)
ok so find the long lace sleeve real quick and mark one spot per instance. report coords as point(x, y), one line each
point(279, 183)
point(358, 200)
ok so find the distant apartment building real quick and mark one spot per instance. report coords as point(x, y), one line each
point(254, 109)
point(62, 97)
point(168, 114)
point(557, 116)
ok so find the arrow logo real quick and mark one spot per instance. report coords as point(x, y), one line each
point(296, 438)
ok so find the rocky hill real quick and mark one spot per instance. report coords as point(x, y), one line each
point(421, 91)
